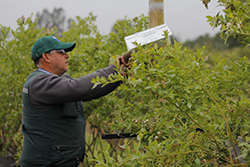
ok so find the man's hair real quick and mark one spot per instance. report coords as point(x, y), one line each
point(38, 63)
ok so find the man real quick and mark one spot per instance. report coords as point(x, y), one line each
point(53, 124)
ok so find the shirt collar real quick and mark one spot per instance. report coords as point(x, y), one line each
point(45, 71)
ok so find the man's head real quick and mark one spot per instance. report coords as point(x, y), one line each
point(50, 54)
point(48, 43)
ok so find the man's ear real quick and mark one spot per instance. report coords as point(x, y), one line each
point(46, 57)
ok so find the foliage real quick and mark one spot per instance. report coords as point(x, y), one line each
point(92, 48)
point(185, 107)
point(182, 96)
point(234, 21)
point(170, 94)
point(213, 43)
point(14, 69)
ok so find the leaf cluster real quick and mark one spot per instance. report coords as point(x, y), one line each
point(234, 21)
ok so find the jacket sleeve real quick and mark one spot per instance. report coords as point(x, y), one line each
point(50, 89)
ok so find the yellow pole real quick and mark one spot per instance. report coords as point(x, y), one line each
point(156, 13)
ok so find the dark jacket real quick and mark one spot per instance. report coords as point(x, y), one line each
point(53, 124)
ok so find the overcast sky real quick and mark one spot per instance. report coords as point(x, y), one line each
point(186, 18)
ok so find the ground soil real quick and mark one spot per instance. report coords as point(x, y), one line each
point(6, 162)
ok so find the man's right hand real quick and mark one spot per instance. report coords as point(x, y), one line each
point(121, 64)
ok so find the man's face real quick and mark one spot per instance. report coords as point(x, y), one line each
point(59, 61)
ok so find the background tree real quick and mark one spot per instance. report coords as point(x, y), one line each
point(56, 19)
point(215, 42)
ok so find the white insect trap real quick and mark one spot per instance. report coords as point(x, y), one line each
point(153, 35)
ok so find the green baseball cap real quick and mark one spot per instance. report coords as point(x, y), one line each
point(49, 43)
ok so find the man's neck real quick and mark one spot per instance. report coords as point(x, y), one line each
point(43, 70)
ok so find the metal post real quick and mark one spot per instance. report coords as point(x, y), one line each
point(156, 13)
